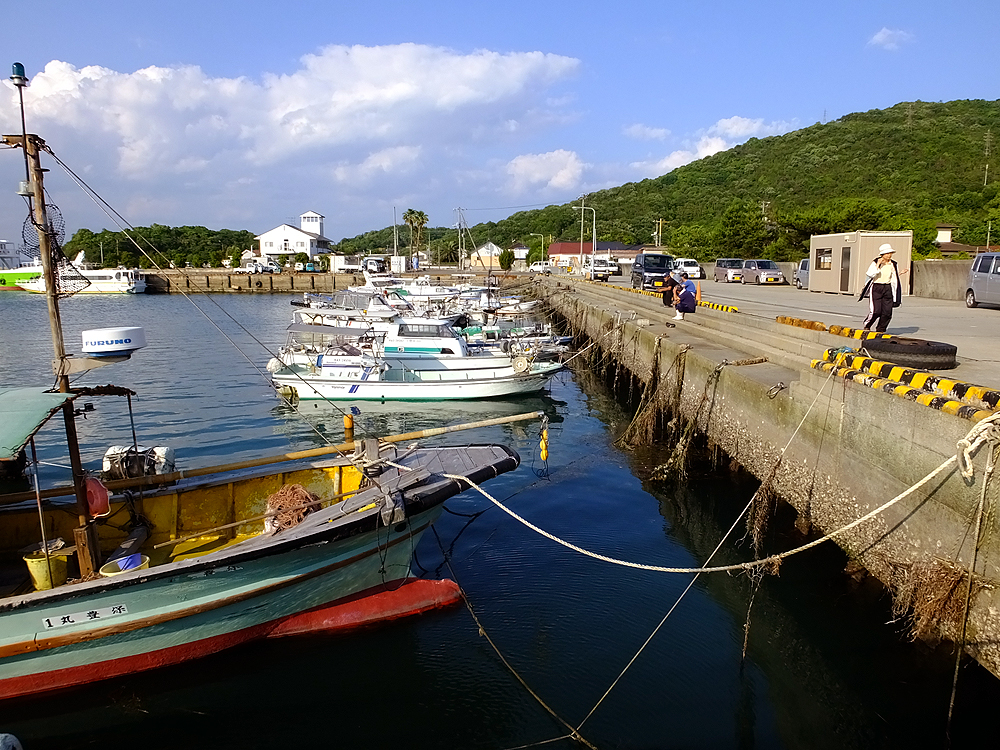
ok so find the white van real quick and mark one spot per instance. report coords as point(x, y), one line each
point(542, 266)
point(689, 266)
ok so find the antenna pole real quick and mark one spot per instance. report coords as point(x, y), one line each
point(85, 534)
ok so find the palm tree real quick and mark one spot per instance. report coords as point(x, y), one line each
point(410, 219)
point(415, 220)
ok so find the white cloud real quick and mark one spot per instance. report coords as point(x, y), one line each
point(348, 115)
point(645, 133)
point(340, 97)
point(720, 136)
point(740, 128)
point(890, 39)
point(388, 161)
point(557, 171)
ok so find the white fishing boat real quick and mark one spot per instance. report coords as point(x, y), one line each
point(419, 360)
point(119, 280)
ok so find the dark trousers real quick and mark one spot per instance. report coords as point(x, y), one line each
point(879, 307)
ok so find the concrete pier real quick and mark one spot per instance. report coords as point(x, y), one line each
point(220, 280)
point(831, 448)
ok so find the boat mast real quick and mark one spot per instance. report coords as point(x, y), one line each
point(85, 534)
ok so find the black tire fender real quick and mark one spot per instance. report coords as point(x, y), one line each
point(917, 353)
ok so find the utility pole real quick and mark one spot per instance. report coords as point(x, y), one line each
point(989, 142)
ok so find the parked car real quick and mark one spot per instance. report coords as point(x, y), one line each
point(802, 274)
point(255, 267)
point(728, 269)
point(542, 266)
point(649, 270)
point(599, 270)
point(689, 266)
point(761, 272)
point(984, 281)
point(310, 267)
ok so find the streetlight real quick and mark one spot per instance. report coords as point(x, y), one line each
point(593, 234)
point(542, 237)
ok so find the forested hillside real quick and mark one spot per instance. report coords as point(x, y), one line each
point(911, 166)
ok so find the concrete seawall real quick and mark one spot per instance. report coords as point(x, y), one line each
point(850, 448)
point(215, 281)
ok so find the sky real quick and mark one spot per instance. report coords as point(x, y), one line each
point(244, 116)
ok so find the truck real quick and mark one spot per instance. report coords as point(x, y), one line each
point(597, 269)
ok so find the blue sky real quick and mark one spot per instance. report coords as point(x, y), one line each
point(245, 115)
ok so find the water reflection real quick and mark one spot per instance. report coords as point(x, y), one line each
point(319, 423)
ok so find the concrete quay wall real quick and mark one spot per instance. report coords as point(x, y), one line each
point(216, 281)
point(850, 448)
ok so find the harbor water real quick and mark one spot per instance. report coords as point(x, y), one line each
point(825, 664)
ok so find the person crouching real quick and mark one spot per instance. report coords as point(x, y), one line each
point(685, 297)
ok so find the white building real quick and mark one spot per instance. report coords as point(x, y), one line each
point(288, 240)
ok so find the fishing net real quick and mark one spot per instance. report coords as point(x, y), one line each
point(288, 507)
point(69, 280)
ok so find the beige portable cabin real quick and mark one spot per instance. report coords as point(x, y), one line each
point(839, 263)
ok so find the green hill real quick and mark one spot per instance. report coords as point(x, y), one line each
point(907, 167)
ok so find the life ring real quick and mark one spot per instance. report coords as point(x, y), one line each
point(98, 498)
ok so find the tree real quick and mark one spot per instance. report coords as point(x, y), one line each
point(506, 259)
point(742, 232)
point(416, 221)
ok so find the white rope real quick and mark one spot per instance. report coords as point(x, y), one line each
point(979, 435)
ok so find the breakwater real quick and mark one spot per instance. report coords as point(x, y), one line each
point(836, 451)
point(214, 281)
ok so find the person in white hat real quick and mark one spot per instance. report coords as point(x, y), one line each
point(883, 289)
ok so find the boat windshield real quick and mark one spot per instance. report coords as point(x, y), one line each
point(427, 330)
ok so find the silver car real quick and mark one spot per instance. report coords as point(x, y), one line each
point(984, 280)
point(728, 269)
point(762, 272)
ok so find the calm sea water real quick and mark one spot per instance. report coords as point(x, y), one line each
point(824, 667)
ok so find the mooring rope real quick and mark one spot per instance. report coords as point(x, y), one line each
point(573, 733)
point(978, 435)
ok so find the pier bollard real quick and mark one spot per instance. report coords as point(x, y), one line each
point(348, 428)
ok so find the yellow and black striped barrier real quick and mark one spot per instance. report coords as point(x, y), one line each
point(716, 306)
point(814, 325)
point(978, 396)
point(857, 333)
point(941, 403)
